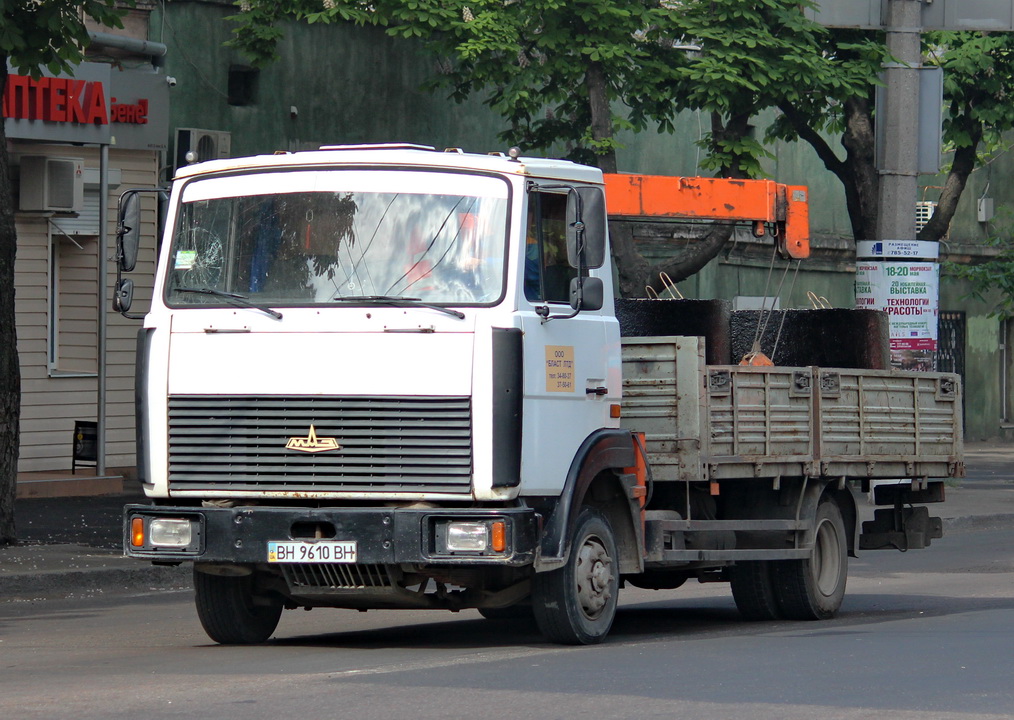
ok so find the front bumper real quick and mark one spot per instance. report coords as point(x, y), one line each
point(384, 536)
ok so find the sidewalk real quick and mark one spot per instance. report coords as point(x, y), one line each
point(72, 546)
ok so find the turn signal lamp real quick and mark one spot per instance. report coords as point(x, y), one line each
point(499, 540)
point(137, 532)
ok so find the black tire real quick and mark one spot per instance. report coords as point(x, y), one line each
point(226, 608)
point(576, 604)
point(753, 590)
point(813, 589)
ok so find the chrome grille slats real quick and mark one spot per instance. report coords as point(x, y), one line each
point(388, 444)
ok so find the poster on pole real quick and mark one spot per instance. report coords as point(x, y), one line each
point(908, 292)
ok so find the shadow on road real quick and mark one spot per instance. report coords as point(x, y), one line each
point(667, 619)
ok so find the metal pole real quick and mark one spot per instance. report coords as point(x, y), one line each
point(899, 186)
point(100, 437)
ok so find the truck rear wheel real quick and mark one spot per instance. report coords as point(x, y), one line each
point(228, 613)
point(813, 589)
point(753, 590)
point(576, 604)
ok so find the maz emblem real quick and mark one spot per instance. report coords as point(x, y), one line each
point(312, 444)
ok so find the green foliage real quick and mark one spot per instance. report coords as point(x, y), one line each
point(993, 278)
point(531, 60)
point(978, 84)
point(51, 34)
point(850, 64)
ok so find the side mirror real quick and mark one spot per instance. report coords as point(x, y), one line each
point(586, 293)
point(586, 227)
point(128, 243)
point(123, 295)
point(128, 230)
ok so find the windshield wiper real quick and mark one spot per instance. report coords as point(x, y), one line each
point(396, 301)
point(238, 299)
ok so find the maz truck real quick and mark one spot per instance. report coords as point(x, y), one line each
point(389, 377)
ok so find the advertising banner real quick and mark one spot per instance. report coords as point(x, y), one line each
point(908, 292)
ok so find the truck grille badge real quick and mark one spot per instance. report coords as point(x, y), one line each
point(312, 444)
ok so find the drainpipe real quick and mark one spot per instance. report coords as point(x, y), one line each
point(100, 424)
point(155, 50)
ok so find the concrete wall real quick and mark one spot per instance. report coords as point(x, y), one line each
point(349, 85)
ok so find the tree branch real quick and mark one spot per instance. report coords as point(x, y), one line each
point(961, 167)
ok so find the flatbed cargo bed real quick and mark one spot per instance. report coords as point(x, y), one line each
point(730, 422)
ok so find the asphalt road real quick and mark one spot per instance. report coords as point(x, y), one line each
point(926, 634)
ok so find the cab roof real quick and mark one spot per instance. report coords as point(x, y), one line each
point(401, 155)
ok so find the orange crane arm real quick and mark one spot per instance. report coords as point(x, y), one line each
point(762, 202)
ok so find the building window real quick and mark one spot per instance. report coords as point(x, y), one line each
point(73, 304)
point(242, 85)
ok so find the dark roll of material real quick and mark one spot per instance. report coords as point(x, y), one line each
point(851, 339)
point(703, 318)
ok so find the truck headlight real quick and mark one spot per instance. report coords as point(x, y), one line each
point(481, 537)
point(467, 537)
point(170, 532)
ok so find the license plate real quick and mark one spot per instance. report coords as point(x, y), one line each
point(325, 551)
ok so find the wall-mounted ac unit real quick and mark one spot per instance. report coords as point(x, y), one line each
point(204, 144)
point(924, 210)
point(51, 184)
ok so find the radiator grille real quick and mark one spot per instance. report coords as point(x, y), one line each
point(387, 444)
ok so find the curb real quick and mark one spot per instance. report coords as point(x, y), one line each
point(111, 581)
point(971, 522)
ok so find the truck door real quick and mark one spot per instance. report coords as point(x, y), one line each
point(566, 359)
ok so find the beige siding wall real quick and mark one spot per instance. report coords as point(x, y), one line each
point(74, 264)
point(51, 402)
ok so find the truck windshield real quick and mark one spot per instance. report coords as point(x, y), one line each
point(332, 236)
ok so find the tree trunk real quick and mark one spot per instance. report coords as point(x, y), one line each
point(861, 179)
point(10, 371)
point(601, 114)
point(954, 186)
point(732, 129)
point(635, 275)
point(858, 171)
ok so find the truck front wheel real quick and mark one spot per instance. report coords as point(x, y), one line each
point(813, 589)
point(576, 604)
point(228, 612)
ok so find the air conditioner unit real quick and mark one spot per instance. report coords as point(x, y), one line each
point(204, 144)
point(924, 210)
point(51, 184)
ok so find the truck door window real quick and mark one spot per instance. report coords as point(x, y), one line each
point(547, 272)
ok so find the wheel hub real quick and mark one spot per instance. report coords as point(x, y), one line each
point(594, 576)
point(826, 559)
